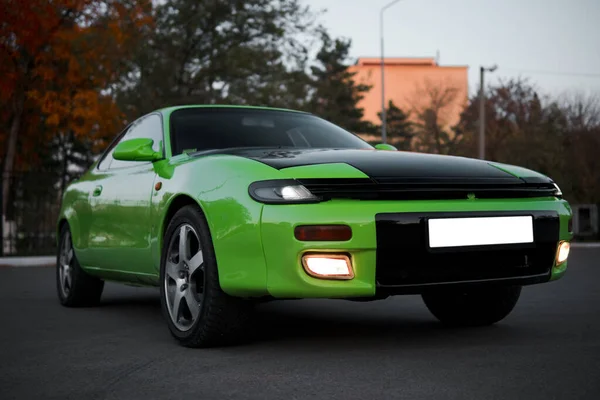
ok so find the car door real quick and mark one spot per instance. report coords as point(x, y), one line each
point(121, 207)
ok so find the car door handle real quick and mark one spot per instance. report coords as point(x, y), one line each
point(97, 191)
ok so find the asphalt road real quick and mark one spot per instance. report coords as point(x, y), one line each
point(548, 348)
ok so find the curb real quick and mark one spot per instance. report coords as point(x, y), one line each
point(585, 245)
point(37, 261)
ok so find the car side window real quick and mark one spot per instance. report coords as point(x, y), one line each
point(107, 157)
point(103, 165)
point(149, 127)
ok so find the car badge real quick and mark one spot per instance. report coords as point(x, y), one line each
point(471, 196)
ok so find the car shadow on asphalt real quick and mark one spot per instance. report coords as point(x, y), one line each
point(366, 329)
point(143, 304)
point(334, 323)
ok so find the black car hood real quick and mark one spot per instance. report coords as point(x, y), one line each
point(383, 166)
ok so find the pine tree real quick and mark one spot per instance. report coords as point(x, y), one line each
point(221, 51)
point(336, 94)
point(398, 127)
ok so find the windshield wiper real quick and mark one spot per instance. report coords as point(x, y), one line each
point(240, 148)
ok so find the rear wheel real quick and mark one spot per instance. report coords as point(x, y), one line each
point(472, 307)
point(198, 312)
point(74, 286)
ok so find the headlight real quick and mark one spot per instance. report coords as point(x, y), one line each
point(283, 191)
point(557, 192)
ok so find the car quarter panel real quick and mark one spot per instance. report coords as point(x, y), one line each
point(286, 277)
point(76, 211)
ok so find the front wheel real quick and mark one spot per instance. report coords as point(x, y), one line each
point(198, 312)
point(472, 307)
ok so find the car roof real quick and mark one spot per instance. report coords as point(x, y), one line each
point(168, 110)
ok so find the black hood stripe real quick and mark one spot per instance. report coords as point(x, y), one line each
point(384, 165)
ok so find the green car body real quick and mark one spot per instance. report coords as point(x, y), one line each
point(118, 218)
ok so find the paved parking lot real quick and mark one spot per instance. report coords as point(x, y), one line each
point(549, 348)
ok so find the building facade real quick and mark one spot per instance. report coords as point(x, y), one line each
point(414, 85)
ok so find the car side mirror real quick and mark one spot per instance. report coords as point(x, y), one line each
point(385, 146)
point(136, 150)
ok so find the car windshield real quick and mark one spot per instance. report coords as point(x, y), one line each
point(199, 129)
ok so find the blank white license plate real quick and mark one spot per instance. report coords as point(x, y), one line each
point(480, 231)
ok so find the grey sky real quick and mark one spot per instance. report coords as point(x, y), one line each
point(518, 35)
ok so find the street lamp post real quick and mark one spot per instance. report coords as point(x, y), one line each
point(383, 117)
point(482, 109)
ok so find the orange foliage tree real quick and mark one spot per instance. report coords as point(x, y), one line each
point(58, 60)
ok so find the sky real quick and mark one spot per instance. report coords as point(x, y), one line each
point(554, 43)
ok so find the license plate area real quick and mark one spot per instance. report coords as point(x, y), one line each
point(479, 231)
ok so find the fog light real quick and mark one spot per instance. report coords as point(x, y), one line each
point(563, 252)
point(328, 266)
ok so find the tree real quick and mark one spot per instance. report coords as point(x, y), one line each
point(559, 137)
point(433, 104)
point(335, 94)
point(581, 146)
point(399, 127)
point(222, 51)
point(56, 57)
point(516, 119)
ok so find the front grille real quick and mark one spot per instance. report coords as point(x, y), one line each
point(404, 259)
point(425, 189)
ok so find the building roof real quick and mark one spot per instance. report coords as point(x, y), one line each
point(397, 61)
point(403, 61)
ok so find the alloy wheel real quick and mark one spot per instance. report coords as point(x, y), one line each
point(184, 277)
point(65, 265)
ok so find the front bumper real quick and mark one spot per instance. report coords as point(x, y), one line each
point(388, 247)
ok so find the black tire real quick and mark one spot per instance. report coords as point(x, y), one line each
point(472, 307)
point(222, 318)
point(83, 290)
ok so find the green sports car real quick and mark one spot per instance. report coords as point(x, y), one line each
point(223, 207)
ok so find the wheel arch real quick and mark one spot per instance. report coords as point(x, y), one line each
point(70, 219)
point(62, 221)
point(232, 223)
point(174, 204)
point(177, 203)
